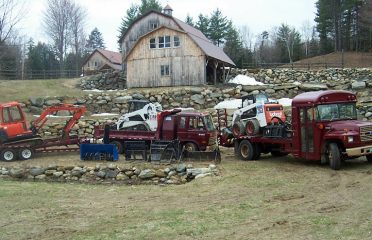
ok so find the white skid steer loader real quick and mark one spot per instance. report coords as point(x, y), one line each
point(142, 115)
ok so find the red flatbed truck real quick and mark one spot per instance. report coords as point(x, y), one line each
point(324, 127)
point(194, 131)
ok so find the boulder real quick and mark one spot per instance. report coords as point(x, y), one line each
point(312, 87)
point(147, 173)
point(358, 85)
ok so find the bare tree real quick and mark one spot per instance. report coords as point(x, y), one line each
point(78, 20)
point(306, 33)
point(11, 13)
point(247, 37)
point(57, 21)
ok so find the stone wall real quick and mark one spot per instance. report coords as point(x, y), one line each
point(104, 81)
point(279, 83)
point(102, 173)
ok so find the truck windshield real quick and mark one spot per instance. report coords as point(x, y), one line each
point(340, 111)
point(209, 123)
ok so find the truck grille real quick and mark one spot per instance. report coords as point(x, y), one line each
point(366, 133)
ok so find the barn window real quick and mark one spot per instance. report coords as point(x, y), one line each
point(153, 24)
point(176, 41)
point(152, 43)
point(164, 42)
point(164, 70)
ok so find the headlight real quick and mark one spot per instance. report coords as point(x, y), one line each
point(350, 139)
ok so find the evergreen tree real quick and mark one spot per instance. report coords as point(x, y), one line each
point(203, 25)
point(218, 27)
point(149, 5)
point(126, 21)
point(288, 43)
point(94, 41)
point(41, 58)
point(234, 46)
point(189, 20)
point(136, 11)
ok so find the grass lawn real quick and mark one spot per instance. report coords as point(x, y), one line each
point(21, 90)
point(267, 199)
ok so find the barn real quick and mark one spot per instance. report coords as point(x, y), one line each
point(100, 60)
point(161, 50)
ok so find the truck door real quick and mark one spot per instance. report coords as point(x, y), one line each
point(307, 125)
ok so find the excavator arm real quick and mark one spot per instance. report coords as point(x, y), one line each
point(76, 111)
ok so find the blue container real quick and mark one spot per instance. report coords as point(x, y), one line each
point(90, 151)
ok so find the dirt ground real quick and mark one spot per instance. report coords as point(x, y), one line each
point(273, 198)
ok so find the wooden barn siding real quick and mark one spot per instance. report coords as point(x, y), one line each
point(187, 63)
point(142, 27)
point(100, 60)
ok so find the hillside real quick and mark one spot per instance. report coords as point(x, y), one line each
point(350, 59)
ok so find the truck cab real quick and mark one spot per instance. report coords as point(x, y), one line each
point(325, 127)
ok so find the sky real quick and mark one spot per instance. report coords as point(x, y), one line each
point(106, 15)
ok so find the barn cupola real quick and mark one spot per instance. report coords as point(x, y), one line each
point(168, 10)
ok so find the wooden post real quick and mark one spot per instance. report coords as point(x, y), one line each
point(215, 72)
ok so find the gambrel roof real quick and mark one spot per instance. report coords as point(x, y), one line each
point(196, 35)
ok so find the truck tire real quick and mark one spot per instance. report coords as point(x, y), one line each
point(369, 158)
point(246, 150)
point(8, 155)
point(26, 153)
point(119, 146)
point(190, 147)
point(334, 156)
point(238, 129)
point(236, 148)
point(252, 127)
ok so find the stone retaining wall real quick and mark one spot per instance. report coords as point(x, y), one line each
point(279, 83)
point(101, 173)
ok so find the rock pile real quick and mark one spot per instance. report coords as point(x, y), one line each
point(104, 81)
point(177, 174)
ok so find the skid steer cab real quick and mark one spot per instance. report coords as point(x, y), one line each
point(256, 112)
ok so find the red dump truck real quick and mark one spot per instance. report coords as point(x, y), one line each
point(176, 130)
point(323, 127)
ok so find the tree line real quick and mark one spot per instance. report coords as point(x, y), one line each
point(64, 22)
point(339, 26)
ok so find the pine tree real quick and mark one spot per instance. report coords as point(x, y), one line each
point(203, 25)
point(94, 41)
point(189, 20)
point(136, 11)
point(218, 27)
point(234, 46)
point(126, 21)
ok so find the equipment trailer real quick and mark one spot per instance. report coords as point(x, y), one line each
point(176, 131)
point(324, 127)
point(18, 141)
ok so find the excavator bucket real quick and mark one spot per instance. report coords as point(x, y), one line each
point(206, 156)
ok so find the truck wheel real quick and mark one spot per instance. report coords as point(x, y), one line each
point(190, 147)
point(369, 158)
point(238, 129)
point(246, 150)
point(119, 146)
point(8, 155)
point(26, 153)
point(252, 127)
point(334, 156)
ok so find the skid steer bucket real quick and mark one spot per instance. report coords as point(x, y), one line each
point(207, 156)
point(106, 152)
